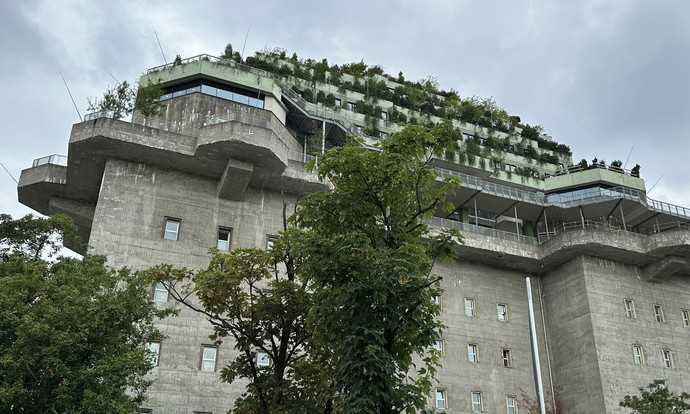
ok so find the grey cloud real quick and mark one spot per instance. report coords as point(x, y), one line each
point(600, 75)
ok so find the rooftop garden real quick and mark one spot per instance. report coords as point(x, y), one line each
point(425, 98)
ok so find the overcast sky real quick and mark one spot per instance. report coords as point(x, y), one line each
point(601, 76)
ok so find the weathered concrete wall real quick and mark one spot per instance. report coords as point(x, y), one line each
point(488, 286)
point(188, 114)
point(571, 339)
point(128, 224)
point(608, 284)
point(133, 203)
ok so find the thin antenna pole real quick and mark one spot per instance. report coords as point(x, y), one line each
point(628, 158)
point(160, 47)
point(657, 182)
point(9, 173)
point(246, 35)
point(71, 97)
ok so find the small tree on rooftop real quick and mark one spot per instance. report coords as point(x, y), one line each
point(656, 398)
point(118, 100)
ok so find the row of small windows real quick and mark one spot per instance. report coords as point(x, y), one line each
point(208, 356)
point(639, 356)
point(476, 402)
point(171, 231)
point(473, 353)
point(631, 312)
point(470, 307)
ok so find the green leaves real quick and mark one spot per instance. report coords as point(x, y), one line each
point(656, 398)
point(368, 256)
point(72, 333)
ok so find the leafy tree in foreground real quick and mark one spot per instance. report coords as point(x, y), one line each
point(254, 298)
point(368, 257)
point(342, 303)
point(72, 332)
point(656, 398)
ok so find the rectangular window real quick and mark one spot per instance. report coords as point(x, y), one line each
point(441, 399)
point(668, 358)
point(502, 312)
point(511, 405)
point(511, 168)
point(338, 102)
point(172, 229)
point(270, 240)
point(630, 312)
point(658, 313)
point(224, 238)
point(154, 350)
point(350, 106)
point(638, 355)
point(436, 300)
point(467, 137)
point(359, 129)
point(507, 358)
point(263, 360)
point(160, 294)
point(208, 358)
point(470, 310)
point(384, 115)
point(477, 402)
point(141, 410)
point(438, 345)
point(685, 314)
point(473, 353)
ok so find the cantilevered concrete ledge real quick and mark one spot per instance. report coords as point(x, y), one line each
point(665, 268)
point(529, 256)
point(235, 179)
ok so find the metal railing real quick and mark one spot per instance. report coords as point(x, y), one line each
point(486, 231)
point(577, 168)
point(214, 59)
point(99, 114)
point(54, 159)
point(501, 190)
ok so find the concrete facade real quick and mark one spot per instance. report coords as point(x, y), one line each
point(210, 163)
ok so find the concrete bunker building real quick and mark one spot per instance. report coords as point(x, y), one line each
point(611, 265)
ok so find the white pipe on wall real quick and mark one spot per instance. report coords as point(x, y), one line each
point(535, 347)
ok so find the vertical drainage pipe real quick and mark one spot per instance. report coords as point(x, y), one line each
point(535, 347)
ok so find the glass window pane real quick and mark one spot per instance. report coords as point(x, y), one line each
point(469, 307)
point(262, 359)
point(224, 237)
point(172, 228)
point(154, 350)
point(241, 99)
point(225, 94)
point(160, 294)
point(208, 359)
point(209, 90)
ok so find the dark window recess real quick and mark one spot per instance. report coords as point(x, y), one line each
point(217, 89)
point(224, 239)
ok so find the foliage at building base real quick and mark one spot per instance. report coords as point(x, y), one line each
point(72, 332)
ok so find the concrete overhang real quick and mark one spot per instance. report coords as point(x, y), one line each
point(592, 176)
point(210, 67)
point(236, 153)
point(487, 246)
